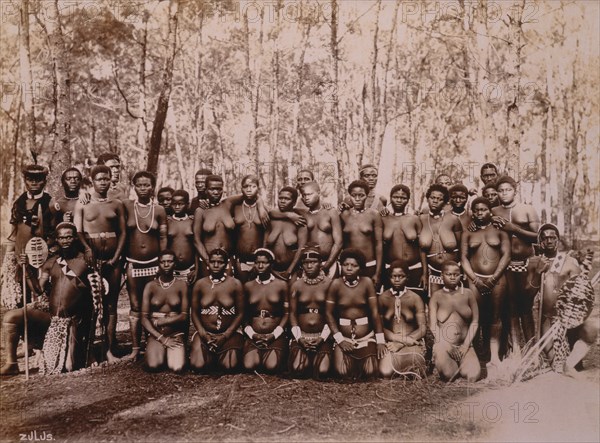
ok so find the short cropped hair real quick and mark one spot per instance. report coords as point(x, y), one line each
point(312, 175)
point(397, 264)
point(481, 200)
point(213, 178)
point(292, 191)
point(355, 254)
point(488, 166)
point(220, 252)
point(203, 171)
point(449, 263)
point(98, 169)
point(358, 184)
point(103, 158)
point(402, 188)
point(459, 187)
point(506, 179)
point(165, 189)
point(438, 188)
point(182, 193)
point(144, 174)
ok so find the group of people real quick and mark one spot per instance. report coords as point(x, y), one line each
point(351, 290)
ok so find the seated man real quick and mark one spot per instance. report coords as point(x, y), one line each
point(217, 312)
point(71, 304)
point(557, 267)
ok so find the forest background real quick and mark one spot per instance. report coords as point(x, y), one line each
point(268, 87)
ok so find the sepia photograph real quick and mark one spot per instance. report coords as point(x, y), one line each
point(300, 220)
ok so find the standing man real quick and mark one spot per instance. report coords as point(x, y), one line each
point(200, 182)
point(369, 174)
point(30, 217)
point(62, 207)
point(521, 223)
point(557, 267)
point(117, 189)
point(488, 173)
point(304, 176)
point(459, 194)
point(71, 305)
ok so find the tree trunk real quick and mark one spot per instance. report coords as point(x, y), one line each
point(142, 129)
point(278, 162)
point(27, 82)
point(165, 92)
point(335, 55)
point(61, 128)
point(514, 82)
point(296, 111)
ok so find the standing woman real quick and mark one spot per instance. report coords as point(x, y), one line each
point(146, 237)
point(214, 227)
point(283, 237)
point(165, 316)
point(249, 231)
point(363, 230)
point(353, 317)
point(440, 238)
point(102, 231)
point(180, 237)
point(485, 255)
point(401, 240)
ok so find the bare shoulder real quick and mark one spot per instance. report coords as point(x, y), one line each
point(281, 284)
point(297, 285)
point(160, 211)
point(373, 213)
point(235, 282)
point(572, 266)
point(181, 285)
point(117, 203)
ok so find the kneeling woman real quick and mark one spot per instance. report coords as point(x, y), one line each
point(353, 317)
point(403, 315)
point(217, 312)
point(312, 345)
point(266, 313)
point(454, 319)
point(165, 316)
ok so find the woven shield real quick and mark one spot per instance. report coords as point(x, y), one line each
point(37, 251)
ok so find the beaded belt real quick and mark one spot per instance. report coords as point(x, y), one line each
point(148, 268)
point(518, 266)
point(182, 274)
point(101, 235)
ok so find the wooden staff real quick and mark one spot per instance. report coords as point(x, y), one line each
point(25, 335)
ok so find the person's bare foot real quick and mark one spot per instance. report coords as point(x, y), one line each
point(573, 373)
point(110, 358)
point(10, 369)
point(133, 356)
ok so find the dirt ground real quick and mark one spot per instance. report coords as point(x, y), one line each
point(122, 402)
